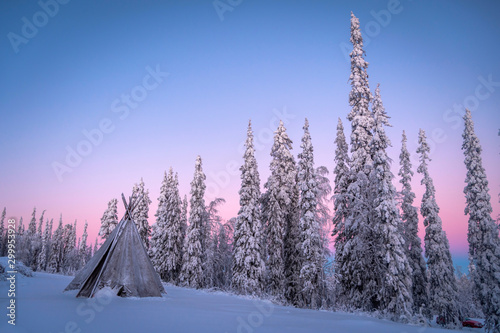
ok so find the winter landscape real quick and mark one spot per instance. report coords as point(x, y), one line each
point(250, 167)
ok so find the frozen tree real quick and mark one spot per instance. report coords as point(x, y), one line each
point(223, 257)
point(83, 250)
point(395, 273)
point(109, 219)
point(40, 224)
point(359, 98)
point(192, 271)
point(20, 227)
point(359, 270)
point(413, 244)
point(56, 251)
point(96, 247)
point(248, 266)
point(484, 244)
point(281, 188)
point(211, 224)
point(184, 220)
point(32, 242)
point(293, 253)
point(70, 259)
point(32, 224)
point(43, 256)
point(167, 240)
point(309, 227)
point(141, 211)
point(340, 198)
point(442, 282)
point(468, 297)
point(159, 236)
point(323, 213)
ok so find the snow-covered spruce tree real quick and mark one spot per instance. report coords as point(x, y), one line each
point(223, 257)
point(56, 250)
point(20, 228)
point(210, 241)
point(184, 224)
point(359, 270)
point(32, 225)
point(310, 236)
point(324, 218)
point(109, 219)
point(281, 191)
point(83, 250)
point(69, 243)
point(158, 234)
point(340, 198)
point(484, 244)
point(396, 280)
point(192, 271)
point(176, 229)
point(248, 266)
point(167, 240)
point(43, 256)
point(141, 211)
point(293, 252)
point(413, 244)
point(25, 252)
point(40, 225)
point(442, 282)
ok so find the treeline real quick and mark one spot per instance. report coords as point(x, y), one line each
point(45, 247)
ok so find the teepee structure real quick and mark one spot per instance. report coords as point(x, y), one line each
point(121, 264)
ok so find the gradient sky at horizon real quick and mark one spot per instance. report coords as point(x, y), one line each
point(264, 61)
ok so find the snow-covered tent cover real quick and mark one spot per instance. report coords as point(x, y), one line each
point(121, 264)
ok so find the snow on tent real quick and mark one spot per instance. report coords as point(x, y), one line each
point(121, 264)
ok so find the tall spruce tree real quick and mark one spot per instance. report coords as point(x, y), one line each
point(20, 227)
point(56, 251)
point(192, 271)
point(341, 200)
point(167, 240)
point(281, 191)
point(310, 234)
point(141, 211)
point(83, 246)
point(395, 271)
point(158, 234)
point(248, 266)
point(358, 273)
point(442, 282)
point(413, 243)
point(43, 256)
point(109, 219)
point(484, 243)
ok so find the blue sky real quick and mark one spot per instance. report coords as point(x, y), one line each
point(264, 61)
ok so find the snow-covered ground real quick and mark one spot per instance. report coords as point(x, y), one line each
point(41, 306)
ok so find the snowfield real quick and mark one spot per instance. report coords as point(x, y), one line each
point(41, 306)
